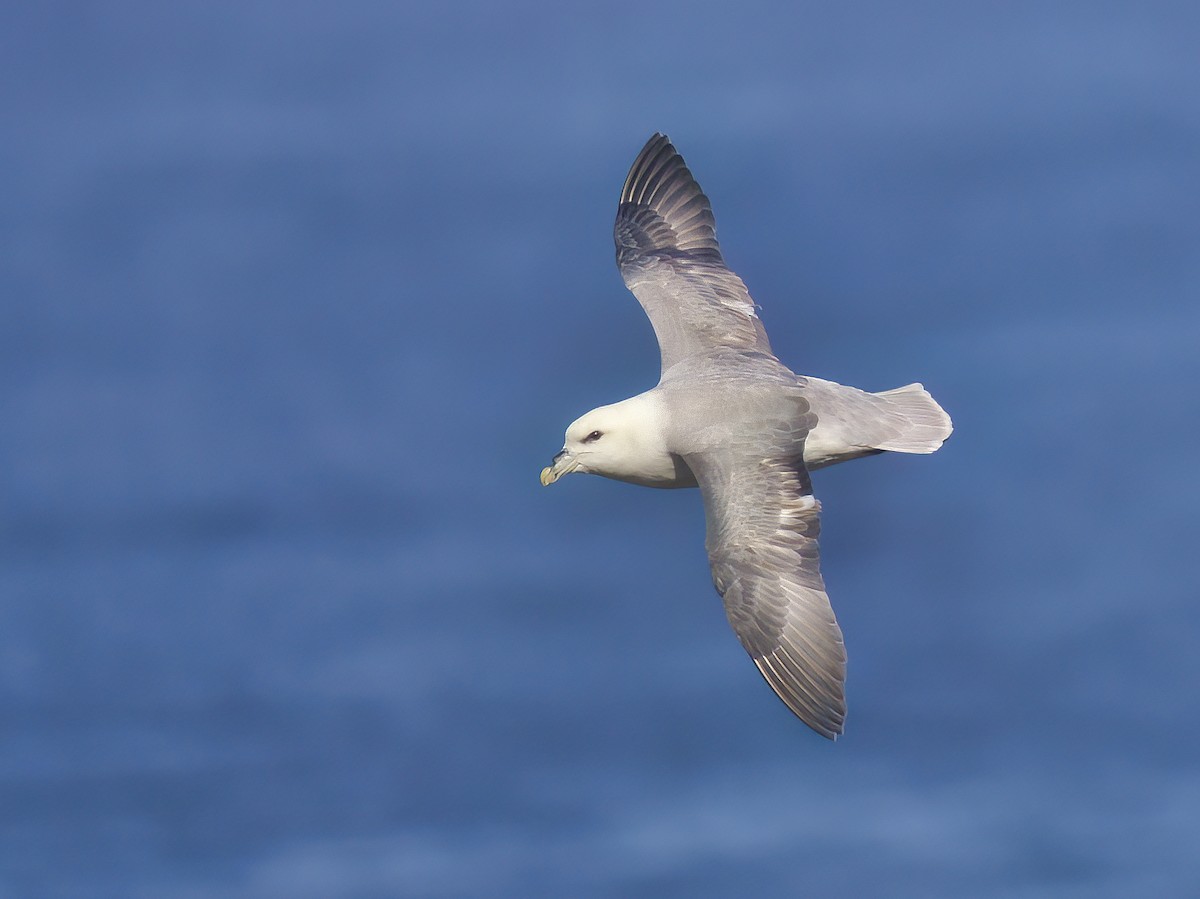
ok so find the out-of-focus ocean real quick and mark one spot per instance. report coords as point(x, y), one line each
point(296, 300)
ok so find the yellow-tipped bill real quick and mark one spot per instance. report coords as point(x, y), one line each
point(561, 464)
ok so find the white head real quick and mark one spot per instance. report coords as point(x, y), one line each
point(622, 441)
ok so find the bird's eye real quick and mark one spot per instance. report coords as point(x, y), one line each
point(592, 437)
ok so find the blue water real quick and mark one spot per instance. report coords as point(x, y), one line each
point(298, 299)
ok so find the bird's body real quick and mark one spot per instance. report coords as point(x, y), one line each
point(730, 418)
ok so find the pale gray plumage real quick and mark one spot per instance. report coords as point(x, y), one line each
point(667, 252)
point(763, 524)
point(729, 417)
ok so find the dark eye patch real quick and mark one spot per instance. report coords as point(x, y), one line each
point(592, 437)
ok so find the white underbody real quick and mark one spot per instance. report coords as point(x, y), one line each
point(634, 448)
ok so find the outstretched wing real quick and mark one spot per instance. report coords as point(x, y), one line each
point(668, 255)
point(763, 523)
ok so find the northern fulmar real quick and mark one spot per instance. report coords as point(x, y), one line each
point(730, 418)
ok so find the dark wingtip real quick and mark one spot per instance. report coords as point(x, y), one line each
point(662, 207)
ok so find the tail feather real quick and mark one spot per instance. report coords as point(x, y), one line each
point(922, 424)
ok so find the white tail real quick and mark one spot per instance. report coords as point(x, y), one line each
point(922, 424)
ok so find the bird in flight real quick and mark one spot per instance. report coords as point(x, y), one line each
point(728, 417)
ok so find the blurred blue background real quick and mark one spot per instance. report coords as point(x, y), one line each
point(298, 299)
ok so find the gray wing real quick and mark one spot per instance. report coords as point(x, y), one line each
point(763, 523)
point(668, 255)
